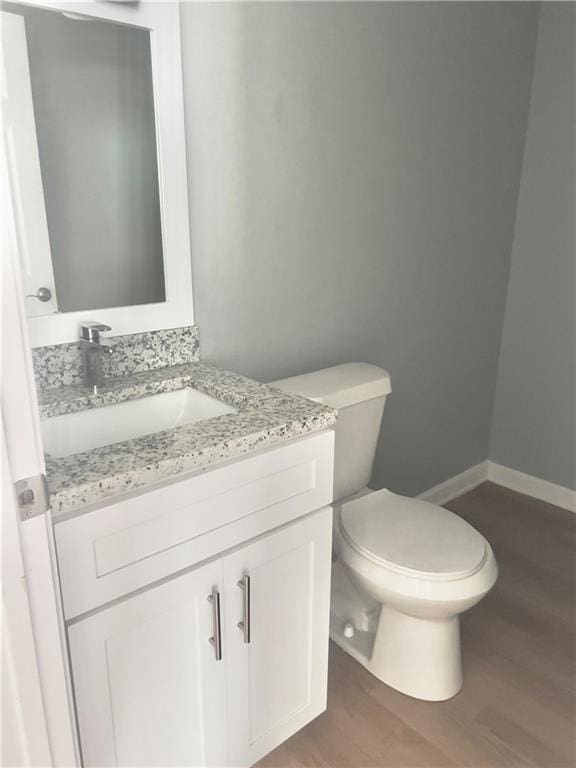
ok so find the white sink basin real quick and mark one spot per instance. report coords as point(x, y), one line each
point(77, 432)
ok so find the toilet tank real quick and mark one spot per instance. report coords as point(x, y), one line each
point(358, 392)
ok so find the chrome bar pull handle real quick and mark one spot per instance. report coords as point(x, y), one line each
point(216, 639)
point(244, 625)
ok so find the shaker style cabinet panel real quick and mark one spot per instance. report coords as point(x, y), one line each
point(119, 548)
point(278, 589)
point(149, 690)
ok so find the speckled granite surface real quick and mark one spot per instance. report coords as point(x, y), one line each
point(265, 416)
point(61, 365)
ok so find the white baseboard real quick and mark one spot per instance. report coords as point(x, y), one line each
point(506, 477)
point(457, 485)
point(532, 486)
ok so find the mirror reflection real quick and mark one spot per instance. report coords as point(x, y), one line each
point(80, 115)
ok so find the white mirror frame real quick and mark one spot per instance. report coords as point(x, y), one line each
point(163, 21)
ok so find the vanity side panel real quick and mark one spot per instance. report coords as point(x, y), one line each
point(118, 549)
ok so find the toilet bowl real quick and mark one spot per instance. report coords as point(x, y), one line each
point(423, 566)
point(404, 569)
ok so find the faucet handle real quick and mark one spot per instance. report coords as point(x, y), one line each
point(90, 331)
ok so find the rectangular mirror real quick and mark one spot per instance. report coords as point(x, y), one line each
point(93, 141)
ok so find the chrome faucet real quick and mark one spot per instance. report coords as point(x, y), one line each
point(91, 349)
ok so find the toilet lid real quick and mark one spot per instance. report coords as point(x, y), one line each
point(411, 535)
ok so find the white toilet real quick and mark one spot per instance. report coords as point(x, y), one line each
point(405, 569)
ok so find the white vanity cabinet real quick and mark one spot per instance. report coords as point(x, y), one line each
point(154, 688)
point(198, 613)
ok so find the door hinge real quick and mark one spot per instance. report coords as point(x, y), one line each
point(32, 496)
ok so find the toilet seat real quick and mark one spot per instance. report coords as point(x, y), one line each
point(412, 537)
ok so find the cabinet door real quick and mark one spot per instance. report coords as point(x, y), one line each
point(277, 681)
point(149, 689)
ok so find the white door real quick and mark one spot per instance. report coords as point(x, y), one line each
point(39, 582)
point(24, 169)
point(277, 681)
point(149, 688)
point(21, 688)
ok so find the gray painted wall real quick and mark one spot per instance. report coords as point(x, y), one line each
point(534, 421)
point(94, 111)
point(354, 173)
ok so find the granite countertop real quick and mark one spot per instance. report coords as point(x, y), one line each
point(265, 416)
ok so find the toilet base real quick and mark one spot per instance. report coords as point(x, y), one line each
point(418, 657)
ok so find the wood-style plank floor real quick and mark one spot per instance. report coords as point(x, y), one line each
point(517, 705)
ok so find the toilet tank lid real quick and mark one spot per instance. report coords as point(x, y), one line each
point(339, 386)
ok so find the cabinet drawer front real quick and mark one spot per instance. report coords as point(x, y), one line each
point(122, 547)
